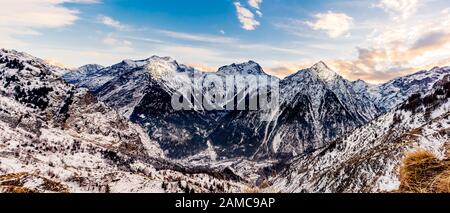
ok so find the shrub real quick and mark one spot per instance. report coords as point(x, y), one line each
point(419, 170)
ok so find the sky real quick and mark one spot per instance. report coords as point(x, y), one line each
point(372, 40)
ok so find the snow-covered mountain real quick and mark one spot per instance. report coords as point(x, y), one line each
point(317, 106)
point(367, 159)
point(113, 129)
point(55, 137)
point(395, 92)
point(247, 68)
point(326, 102)
point(80, 74)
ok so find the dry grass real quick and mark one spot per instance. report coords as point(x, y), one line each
point(17, 189)
point(12, 176)
point(442, 182)
point(252, 190)
point(14, 183)
point(417, 131)
point(422, 172)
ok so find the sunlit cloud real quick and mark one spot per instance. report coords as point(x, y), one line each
point(27, 16)
point(400, 50)
point(203, 67)
point(334, 24)
point(400, 9)
point(255, 3)
point(282, 69)
point(246, 17)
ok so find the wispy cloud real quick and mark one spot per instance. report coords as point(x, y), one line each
point(192, 54)
point(117, 44)
point(28, 16)
point(141, 38)
point(110, 22)
point(246, 17)
point(84, 1)
point(199, 37)
point(400, 9)
point(271, 48)
point(335, 24)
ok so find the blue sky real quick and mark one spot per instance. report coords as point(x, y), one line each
point(374, 40)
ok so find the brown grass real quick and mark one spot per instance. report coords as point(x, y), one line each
point(17, 189)
point(422, 172)
point(442, 182)
point(252, 190)
point(13, 183)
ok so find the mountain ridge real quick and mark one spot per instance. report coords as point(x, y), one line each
point(356, 107)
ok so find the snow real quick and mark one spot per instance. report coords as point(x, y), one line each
point(441, 110)
point(276, 142)
point(324, 73)
point(33, 183)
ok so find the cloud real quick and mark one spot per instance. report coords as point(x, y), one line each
point(142, 39)
point(84, 1)
point(110, 22)
point(282, 69)
point(267, 47)
point(17, 17)
point(199, 37)
point(55, 62)
point(259, 13)
point(117, 44)
point(246, 17)
point(203, 67)
point(255, 3)
point(401, 9)
point(193, 54)
point(446, 11)
point(335, 24)
point(401, 50)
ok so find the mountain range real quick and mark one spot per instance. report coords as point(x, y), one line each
point(113, 129)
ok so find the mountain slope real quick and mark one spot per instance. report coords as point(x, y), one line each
point(367, 159)
point(316, 106)
point(396, 91)
point(55, 137)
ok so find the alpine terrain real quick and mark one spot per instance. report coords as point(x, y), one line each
point(114, 128)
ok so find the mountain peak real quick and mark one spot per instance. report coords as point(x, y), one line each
point(323, 71)
point(165, 58)
point(91, 67)
point(247, 68)
point(320, 64)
